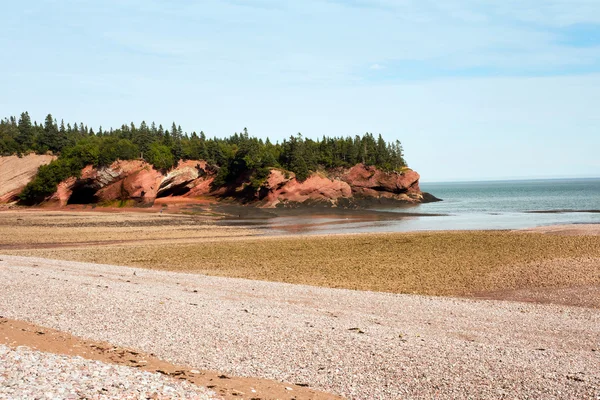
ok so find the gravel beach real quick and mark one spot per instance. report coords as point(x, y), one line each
point(358, 344)
point(27, 374)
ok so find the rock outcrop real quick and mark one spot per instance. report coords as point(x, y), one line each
point(372, 185)
point(182, 179)
point(367, 179)
point(355, 187)
point(121, 181)
point(16, 172)
point(281, 189)
point(137, 181)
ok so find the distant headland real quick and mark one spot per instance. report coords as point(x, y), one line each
point(59, 164)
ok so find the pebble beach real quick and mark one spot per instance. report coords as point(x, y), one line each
point(356, 344)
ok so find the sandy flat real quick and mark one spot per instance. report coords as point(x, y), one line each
point(352, 343)
point(558, 267)
point(572, 229)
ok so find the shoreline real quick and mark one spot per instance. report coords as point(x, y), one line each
point(330, 221)
point(541, 264)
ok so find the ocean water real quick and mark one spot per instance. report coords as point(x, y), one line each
point(470, 205)
point(512, 204)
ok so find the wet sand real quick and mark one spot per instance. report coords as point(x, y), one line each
point(511, 265)
point(567, 230)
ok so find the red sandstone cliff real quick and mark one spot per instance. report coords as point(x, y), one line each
point(351, 187)
point(16, 172)
point(137, 181)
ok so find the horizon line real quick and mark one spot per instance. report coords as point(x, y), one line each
point(511, 179)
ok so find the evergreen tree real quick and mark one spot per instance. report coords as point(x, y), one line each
point(142, 137)
point(50, 138)
point(25, 136)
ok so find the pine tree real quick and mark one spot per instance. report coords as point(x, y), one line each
point(142, 137)
point(25, 136)
point(177, 135)
point(50, 138)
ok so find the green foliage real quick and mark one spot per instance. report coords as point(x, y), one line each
point(47, 178)
point(112, 149)
point(85, 152)
point(238, 156)
point(258, 178)
point(160, 156)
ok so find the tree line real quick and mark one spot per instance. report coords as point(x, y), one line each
point(239, 155)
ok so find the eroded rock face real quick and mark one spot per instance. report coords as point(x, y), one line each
point(134, 180)
point(368, 179)
point(140, 185)
point(282, 190)
point(183, 178)
point(354, 187)
point(16, 172)
point(122, 180)
point(359, 186)
point(63, 192)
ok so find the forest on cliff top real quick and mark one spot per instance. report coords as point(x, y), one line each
point(77, 145)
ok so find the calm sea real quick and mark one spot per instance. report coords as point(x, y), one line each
point(512, 204)
point(474, 205)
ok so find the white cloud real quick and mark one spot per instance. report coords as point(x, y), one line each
point(376, 67)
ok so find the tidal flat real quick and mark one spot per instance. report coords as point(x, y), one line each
point(510, 265)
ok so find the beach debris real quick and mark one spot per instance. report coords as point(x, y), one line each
point(576, 377)
point(357, 330)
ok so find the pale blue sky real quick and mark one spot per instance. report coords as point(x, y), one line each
point(474, 89)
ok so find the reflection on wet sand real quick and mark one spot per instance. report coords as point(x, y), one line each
point(320, 224)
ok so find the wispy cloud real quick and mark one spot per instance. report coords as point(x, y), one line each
point(511, 76)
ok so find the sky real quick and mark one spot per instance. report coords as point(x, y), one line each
point(473, 89)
